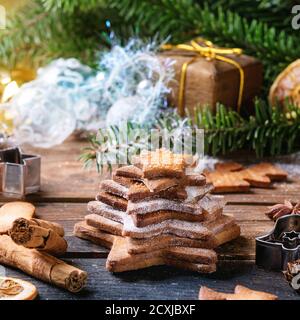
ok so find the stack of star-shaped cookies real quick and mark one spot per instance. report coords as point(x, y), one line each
point(158, 211)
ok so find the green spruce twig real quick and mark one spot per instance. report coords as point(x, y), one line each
point(77, 28)
point(185, 19)
point(269, 132)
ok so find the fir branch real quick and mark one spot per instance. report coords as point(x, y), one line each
point(78, 28)
point(114, 145)
point(269, 132)
point(185, 19)
point(44, 33)
point(273, 12)
point(70, 6)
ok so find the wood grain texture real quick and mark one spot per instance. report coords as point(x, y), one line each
point(66, 189)
point(163, 283)
point(253, 223)
point(65, 180)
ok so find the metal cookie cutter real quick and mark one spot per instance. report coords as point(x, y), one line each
point(19, 173)
point(281, 245)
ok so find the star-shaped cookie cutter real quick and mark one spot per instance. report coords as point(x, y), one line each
point(19, 172)
point(282, 245)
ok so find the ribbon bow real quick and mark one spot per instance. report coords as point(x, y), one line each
point(205, 48)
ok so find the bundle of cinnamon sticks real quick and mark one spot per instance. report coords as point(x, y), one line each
point(30, 245)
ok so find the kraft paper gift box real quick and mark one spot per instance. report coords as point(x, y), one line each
point(210, 80)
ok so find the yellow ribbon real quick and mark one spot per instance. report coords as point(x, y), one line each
point(210, 52)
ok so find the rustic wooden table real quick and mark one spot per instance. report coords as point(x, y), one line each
point(66, 189)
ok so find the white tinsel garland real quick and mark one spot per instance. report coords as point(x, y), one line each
point(130, 84)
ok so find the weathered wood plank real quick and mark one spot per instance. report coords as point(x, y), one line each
point(249, 229)
point(72, 183)
point(79, 248)
point(252, 220)
point(239, 249)
point(164, 283)
point(75, 211)
point(67, 187)
point(81, 191)
point(260, 199)
point(242, 248)
point(65, 179)
point(64, 212)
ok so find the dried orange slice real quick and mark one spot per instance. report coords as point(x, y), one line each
point(16, 289)
point(287, 85)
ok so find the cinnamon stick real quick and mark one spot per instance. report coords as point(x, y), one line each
point(11, 211)
point(39, 234)
point(41, 265)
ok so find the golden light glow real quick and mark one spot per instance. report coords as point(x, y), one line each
point(6, 122)
point(5, 80)
point(9, 91)
point(10, 82)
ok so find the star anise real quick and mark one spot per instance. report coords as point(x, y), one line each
point(279, 210)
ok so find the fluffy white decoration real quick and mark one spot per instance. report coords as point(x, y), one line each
point(130, 84)
point(136, 76)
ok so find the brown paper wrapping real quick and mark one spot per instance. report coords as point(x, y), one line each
point(212, 81)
